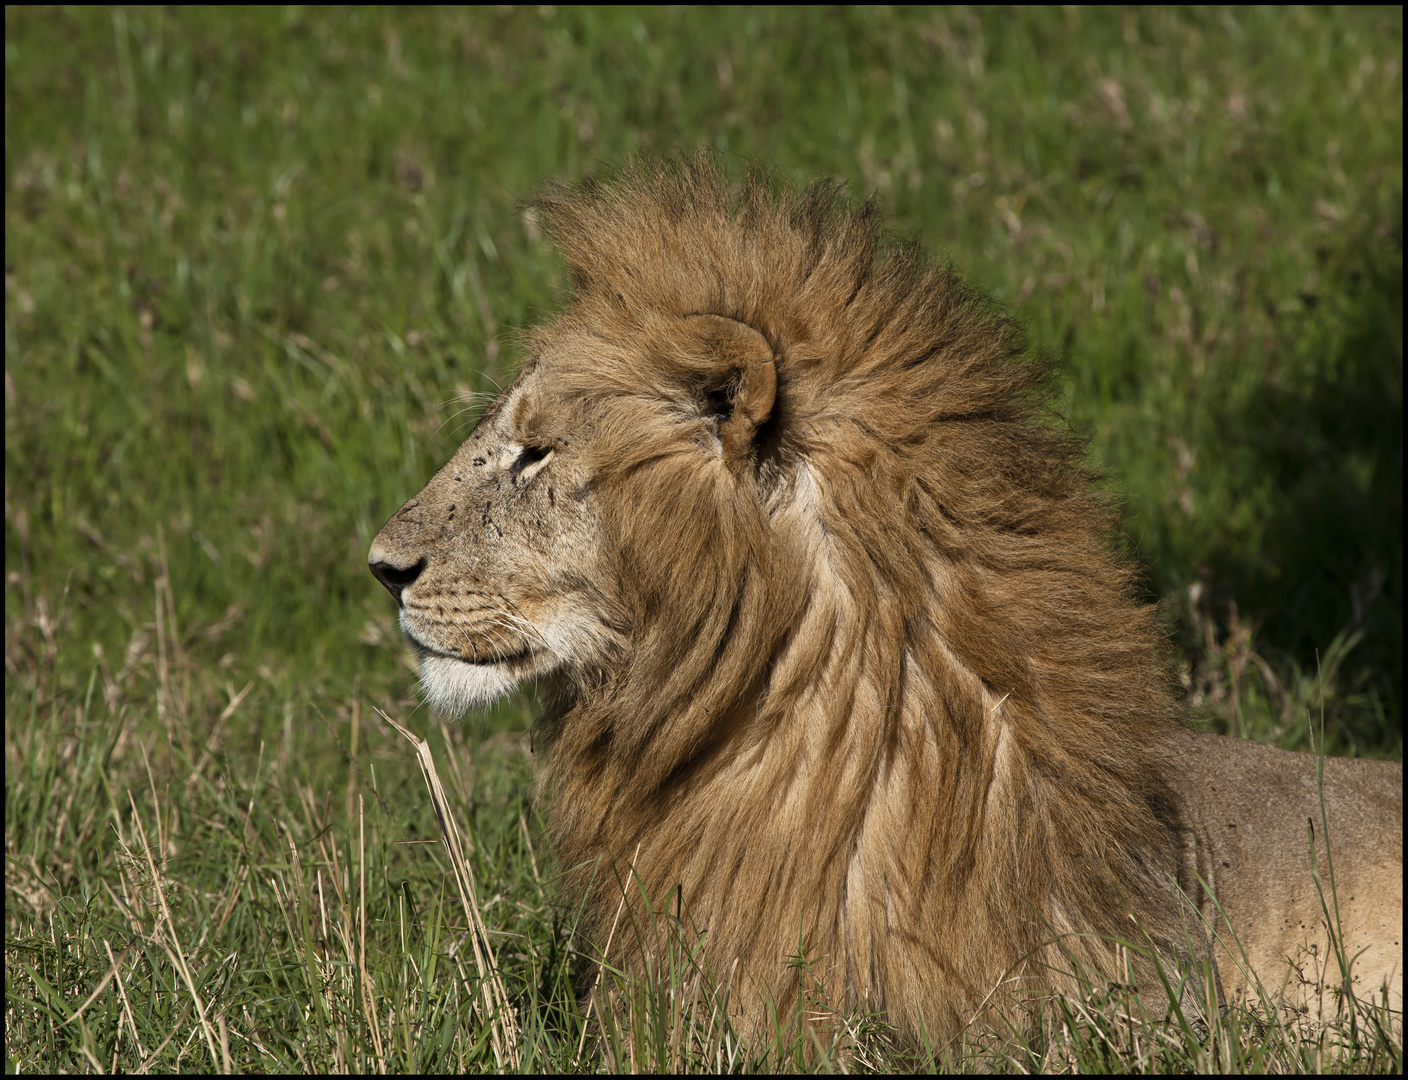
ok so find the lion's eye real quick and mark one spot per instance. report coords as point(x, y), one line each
point(530, 455)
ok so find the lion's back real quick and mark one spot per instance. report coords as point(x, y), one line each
point(1252, 811)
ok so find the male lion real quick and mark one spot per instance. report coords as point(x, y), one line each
point(833, 641)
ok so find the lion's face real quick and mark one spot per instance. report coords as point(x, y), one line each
point(583, 510)
point(495, 563)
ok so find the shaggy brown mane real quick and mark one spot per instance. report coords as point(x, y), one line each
point(885, 691)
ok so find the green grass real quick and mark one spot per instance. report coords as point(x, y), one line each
point(255, 260)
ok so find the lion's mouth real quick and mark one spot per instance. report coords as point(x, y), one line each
point(523, 656)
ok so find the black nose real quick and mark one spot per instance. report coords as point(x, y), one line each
point(396, 578)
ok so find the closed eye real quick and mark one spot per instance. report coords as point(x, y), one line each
point(530, 455)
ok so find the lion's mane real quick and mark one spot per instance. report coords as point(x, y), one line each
point(889, 700)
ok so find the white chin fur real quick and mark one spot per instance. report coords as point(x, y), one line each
point(453, 687)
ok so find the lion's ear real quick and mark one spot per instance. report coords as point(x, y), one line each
point(744, 398)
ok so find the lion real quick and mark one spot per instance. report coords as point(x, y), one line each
point(836, 653)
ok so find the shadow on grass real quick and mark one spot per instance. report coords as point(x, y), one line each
point(1327, 440)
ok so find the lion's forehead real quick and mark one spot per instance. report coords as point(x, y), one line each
point(529, 408)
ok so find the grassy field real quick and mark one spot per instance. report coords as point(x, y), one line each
point(257, 260)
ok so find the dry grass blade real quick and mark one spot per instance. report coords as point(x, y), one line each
point(174, 951)
point(210, 742)
point(126, 1006)
point(596, 984)
point(373, 1025)
point(504, 1033)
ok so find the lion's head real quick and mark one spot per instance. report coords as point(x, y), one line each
point(825, 615)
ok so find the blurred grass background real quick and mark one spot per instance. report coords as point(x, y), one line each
point(257, 259)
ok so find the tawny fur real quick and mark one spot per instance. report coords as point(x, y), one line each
point(839, 657)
